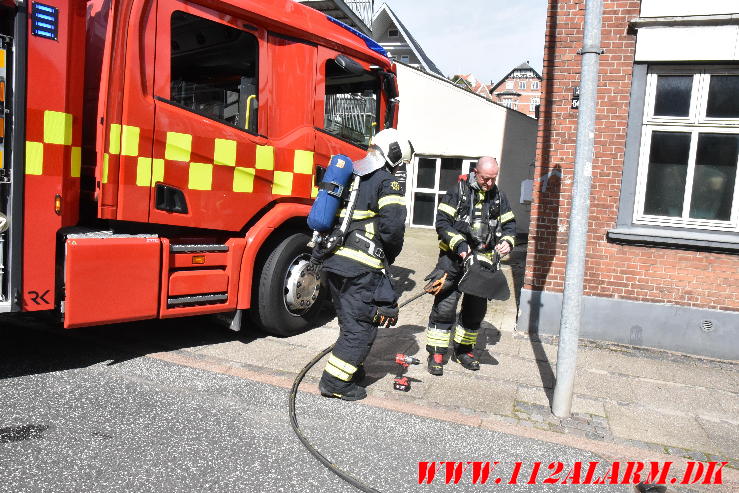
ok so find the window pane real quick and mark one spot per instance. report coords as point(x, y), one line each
point(214, 70)
point(673, 95)
point(423, 209)
point(351, 104)
point(451, 168)
point(715, 176)
point(426, 176)
point(668, 167)
point(723, 97)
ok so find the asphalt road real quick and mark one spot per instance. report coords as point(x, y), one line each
point(81, 413)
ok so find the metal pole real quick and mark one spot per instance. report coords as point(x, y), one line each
point(574, 271)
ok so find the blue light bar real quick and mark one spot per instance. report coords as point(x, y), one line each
point(44, 21)
point(371, 43)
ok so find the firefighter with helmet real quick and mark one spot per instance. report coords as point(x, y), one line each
point(473, 218)
point(356, 271)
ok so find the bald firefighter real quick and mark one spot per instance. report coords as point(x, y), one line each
point(356, 271)
point(473, 216)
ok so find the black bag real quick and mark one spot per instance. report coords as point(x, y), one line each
point(483, 278)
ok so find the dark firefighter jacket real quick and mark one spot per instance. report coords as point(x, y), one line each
point(464, 210)
point(377, 227)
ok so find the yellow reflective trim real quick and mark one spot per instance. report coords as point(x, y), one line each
point(303, 162)
point(265, 157)
point(369, 229)
point(314, 192)
point(448, 209)
point(337, 372)
point(75, 162)
point(390, 199)
point(456, 240)
point(130, 140)
point(143, 171)
point(282, 184)
point(34, 158)
point(443, 246)
point(224, 153)
point(462, 336)
point(437, 337)
point(200, 176)
point(179, 146)
point(244, 179)
point(510, 239)
point(2, 58)
point(114, 142)
point(57, 128)
point(104, 177)
point(358, 215)
point(157, 171)
point(341, 364)
point(508, 216)
point(361, 257)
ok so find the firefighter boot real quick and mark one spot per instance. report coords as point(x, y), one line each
point(467, 360)
point(352, 392)
point(436, 364)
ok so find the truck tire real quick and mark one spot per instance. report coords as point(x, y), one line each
point(289, 299)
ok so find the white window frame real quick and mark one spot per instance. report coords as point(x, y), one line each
point(535, 85)
point(509, 84)
point(694, 124)
point(405, 58)
point(522, 85)
point(437, 193)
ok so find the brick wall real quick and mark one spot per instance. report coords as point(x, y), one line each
point(659, 275)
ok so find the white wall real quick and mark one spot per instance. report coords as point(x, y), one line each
point(444, 120)
point(670, 8)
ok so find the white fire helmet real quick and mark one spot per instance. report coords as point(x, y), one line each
point(387, 147)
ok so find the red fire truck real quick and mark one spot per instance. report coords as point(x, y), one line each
point(158, 158)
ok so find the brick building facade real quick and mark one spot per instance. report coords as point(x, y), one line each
point(662, 263)
point(520, 90)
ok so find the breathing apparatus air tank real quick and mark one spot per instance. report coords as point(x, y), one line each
point(331, 191)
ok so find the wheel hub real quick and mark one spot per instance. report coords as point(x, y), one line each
point(301, 287)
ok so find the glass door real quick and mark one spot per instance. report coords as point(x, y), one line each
point(432, 177)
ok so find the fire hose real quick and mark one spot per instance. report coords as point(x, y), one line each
point(294, 420)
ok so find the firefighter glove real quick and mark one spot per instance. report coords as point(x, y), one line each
point(386, 316)
point(436, 281)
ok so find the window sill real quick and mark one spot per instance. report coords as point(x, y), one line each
point(677, 238)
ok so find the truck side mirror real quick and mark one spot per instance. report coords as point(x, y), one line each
point(349, 65)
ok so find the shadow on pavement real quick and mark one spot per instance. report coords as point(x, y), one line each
point(34, 344)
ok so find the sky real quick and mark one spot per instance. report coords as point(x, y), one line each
point(485, 37)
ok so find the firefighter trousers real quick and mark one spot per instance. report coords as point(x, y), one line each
point(356, 300)
point(443, 318)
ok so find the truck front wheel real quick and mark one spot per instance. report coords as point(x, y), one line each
point(289, 298)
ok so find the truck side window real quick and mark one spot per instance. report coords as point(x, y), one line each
point(214, 70)
point(352, 104)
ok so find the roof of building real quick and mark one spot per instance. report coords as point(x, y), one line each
point(472, 83)
point(426, 62)
point(523, 66)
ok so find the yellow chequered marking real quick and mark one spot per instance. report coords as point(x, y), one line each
point(178, 147)
point(225, 152)
point(201, 176)
point(157, 171)
point(106, 158)
point(143, 171)
point(282, 183)
point(243, 179)
point(130, 140)
point(314, 192)
point(303, 162)
point(265, 157)
point(114, 146)
point(76, 162)
point(57, 128)
point(34, 158)
point(508, 216)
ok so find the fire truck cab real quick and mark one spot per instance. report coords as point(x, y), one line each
point(158, 158)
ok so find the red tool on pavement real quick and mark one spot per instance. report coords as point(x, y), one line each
point(402, 382)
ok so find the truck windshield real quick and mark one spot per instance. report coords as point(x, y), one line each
point(352, 107)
